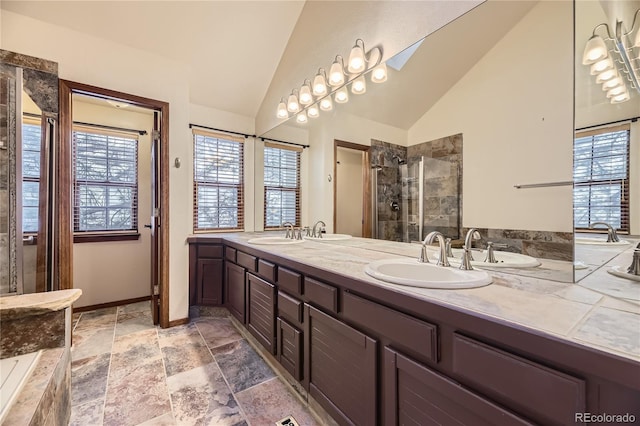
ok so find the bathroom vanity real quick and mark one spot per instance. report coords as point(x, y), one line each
point(519, 351)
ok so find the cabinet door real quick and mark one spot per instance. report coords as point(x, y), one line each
point(417, 395)
point(261, 311)
point(235, 289)
point(340, 368)
point(289, 353)
point(209, 282)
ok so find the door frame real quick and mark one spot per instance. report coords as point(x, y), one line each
point(63, 209)
point(366, 183)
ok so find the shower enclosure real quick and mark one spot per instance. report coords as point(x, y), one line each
point(417, 197)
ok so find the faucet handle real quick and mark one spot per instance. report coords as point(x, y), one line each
point(490, 257)
point(465, 265)
point(447, 246)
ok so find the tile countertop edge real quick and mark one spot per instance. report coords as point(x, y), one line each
point(25, 305)
point(380, 288)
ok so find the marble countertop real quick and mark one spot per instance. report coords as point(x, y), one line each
point(577, 313)
point(25, 305)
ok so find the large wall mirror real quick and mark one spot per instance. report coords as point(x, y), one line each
point(607, 147)
point(471, 129)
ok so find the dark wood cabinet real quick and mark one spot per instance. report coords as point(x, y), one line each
point(206, 275)
point(261, 311)
point(235, 290)
point(416, 395)
point(289, 350)
point(340, 368)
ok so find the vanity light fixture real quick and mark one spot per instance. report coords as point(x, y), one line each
point(312, 111)
point(311, 98)
point(292, 103)
point(359, 86)
point(357, 61)
point(320, 83)
point(282, 109)
point(336, 72)
point(326, 104)
point(379, 73)
point(301, 117)
point(305, 94)
point(615, 60)
point(342, 96)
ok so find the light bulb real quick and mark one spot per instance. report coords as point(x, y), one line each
point(356, 58)
point(594, 51)
point(616, 91)
point(336, 75)
point(602, 65)
point(326, 104)
point(319, 85)
point(282, 110)
point(305, 94)
point(302, 117)
point(379, 73)
point(606, 75)
point(341, 96)
point(292, 103)
point(313, 112)
point(359, 86)
point(610, 84)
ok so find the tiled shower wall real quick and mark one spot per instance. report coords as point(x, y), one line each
point(442, 185)
point(7, 135)
point(389, 188)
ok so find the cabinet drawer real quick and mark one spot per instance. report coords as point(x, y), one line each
point(230, 253)
point(210, 251)
point(533, 389)
point(407, 332)
point(289, 308)
point(290, 281)
point(322, 295)
point(248, 261)
point(267, 270)
point(290, 348)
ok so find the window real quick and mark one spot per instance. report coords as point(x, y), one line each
point(281, 186)
point(105, 181)
point(31, 143)
point(218, 183)
point(601, 178)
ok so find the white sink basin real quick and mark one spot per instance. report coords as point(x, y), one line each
point(274, 241)
point(505, 259)
point(600, 242)
point(620, 271)
point(412, 273)
point(330, 237)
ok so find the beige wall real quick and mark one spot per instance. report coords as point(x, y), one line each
point(117, 270)
point(349, 192)
point(518, 99)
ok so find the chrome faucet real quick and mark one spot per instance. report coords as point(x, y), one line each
point(612, 236)
point(465, 264)
point(634, 268)
point(317, 234)
point(289, 233)
point(472, 234)
point(490, 257)
point(442, 259)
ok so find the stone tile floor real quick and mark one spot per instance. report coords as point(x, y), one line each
point(125, 371)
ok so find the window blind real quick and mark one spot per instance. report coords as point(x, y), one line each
point(281, 185)
point(31, 145)
point(601, 177)
point(218, 181)
point(105, 182)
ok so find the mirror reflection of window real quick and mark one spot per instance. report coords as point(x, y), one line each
point(601, 177)
point(31, 146)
